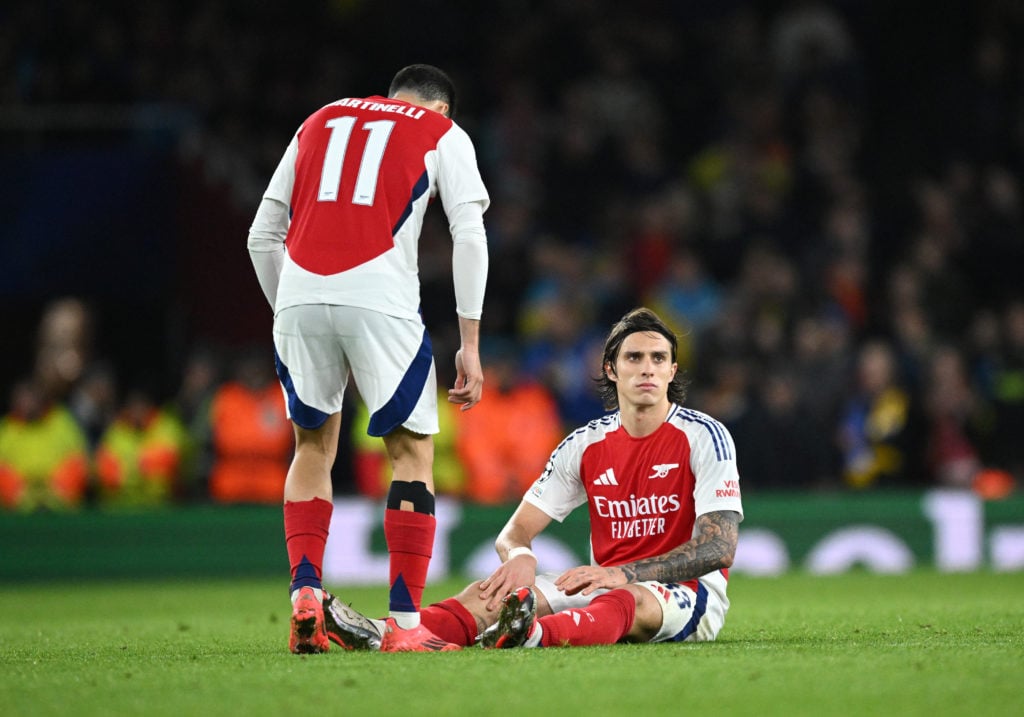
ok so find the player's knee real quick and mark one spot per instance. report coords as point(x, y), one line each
point(408, 450)
point(315, 450)
point(472, 589)
point(321, 441)
point(543, 606)
point(648, 617)
point(470, 599)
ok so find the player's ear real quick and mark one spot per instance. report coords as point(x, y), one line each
point(609, 371)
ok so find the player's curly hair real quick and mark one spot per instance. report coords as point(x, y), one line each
point(638, 320)
point(427, 82)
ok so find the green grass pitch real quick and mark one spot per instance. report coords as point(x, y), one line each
point(858, 644)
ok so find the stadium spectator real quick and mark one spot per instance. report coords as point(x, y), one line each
point(509, 437)
point(93, 400)
point(44, 458)
point(1008, 391)
point(662, 490)
point(251, 436)
point(510, 236)
point(784, 447)
point(880, 430)
point(914, 338)
point(957, 421)
point(366, 169)
point(63, 346)
point(822, 356)
point(997, 210)
point(688, 298)
point(560, 341)
point(200, 380)
point(729, 393)
point(139, 455)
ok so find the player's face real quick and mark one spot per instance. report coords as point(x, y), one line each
point(643, 370)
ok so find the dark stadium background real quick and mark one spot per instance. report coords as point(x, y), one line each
point(135, 137)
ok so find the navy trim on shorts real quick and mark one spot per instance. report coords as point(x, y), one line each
point(400, 406)
point(304, 416)
point(699, 609)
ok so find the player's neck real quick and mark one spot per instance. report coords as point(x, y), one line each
point(641, 421)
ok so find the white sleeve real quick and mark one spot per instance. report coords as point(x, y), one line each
point(270, 226)
point(469, 258)
point(266, 245)
point(713, 461)
point(281, 183)
point(560, 490)
point(458, 176)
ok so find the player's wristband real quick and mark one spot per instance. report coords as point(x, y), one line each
point(516, 552)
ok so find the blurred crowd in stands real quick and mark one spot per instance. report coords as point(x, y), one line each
point(75, 435)
point(826, 202)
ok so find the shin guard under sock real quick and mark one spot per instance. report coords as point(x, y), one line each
point(410, 539)
point(450, 621)
point(306, 525)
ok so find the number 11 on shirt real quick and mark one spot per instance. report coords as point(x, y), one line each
point(369, 165)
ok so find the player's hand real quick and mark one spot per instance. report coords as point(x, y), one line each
point(588, 578)
point(515, 573)
point(469, 380)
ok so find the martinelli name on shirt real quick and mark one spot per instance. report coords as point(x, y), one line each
point(407, 110)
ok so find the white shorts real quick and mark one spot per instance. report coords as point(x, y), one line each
point(390, 360)
point(687, 615)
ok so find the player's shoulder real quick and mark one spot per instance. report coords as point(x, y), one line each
point(681, 415)
point(452, 139)
point(590, 433)
point(701, 427)
point(596, 430)
point(600, 427)
point(455, 130)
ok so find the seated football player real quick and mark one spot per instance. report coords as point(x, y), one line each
point(661, 486)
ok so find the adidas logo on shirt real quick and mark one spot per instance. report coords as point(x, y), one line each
point(606, 478)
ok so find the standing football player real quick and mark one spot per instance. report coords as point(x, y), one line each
point(335, 248)
point(662, 490)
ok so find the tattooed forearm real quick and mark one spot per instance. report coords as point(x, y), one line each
point(711, 549)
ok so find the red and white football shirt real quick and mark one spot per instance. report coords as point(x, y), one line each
point(358, 177)
point(643, 494)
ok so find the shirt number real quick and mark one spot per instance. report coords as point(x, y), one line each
point(369, 165)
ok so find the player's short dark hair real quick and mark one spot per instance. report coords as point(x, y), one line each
point(640, 320)
point(426, 82)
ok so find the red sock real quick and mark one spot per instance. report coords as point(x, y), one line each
point(603, 622)
point(306, 525)
point(410, 539)
point(450, 621)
